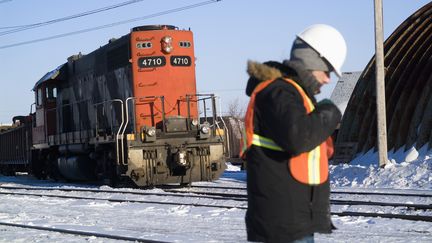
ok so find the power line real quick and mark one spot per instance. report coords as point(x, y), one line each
point(36, 25)
point(112, 24)
point(12, 27)
point(5, 1)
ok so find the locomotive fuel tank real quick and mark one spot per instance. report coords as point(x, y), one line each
point(78, 168)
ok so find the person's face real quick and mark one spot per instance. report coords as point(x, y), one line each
point(322, 77)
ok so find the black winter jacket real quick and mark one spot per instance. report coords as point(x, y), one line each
point(280, 209)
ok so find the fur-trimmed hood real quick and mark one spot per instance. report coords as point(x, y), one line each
point(262, 71)
point(259, 72)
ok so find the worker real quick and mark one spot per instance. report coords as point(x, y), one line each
point(287, 139)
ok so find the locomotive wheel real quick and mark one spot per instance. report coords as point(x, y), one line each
point(111, 179)
point(52, 168)
point(106, 167)
point(40, 174)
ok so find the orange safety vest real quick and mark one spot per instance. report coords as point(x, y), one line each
point(309, 168)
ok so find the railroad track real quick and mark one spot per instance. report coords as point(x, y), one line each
point(333, 192)
point(169, 192)
point(219, 196)
point(80, 233)
point(175, 188)
point(335, 201)
point(123, 200)
point(225, 196)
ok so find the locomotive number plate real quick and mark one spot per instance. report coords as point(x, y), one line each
point(149, 62)
point(180, 61)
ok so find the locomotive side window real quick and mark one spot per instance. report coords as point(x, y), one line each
point(149, 62)
point(180, 61)
point(39, 97)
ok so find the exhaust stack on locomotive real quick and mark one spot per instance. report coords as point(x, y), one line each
point(128, 110)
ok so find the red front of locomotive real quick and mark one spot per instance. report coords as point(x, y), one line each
point(170, 142)
point(163, 67)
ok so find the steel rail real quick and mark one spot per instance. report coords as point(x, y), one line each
point(383, 204)
point(233, 195)
point(174, 193)
point(402, 194)
point(125, 200)
point(384, 215)
point(79, 232)
point(332, 201)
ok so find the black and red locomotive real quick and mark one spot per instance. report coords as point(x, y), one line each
point(128, 110)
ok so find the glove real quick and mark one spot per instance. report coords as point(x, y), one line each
point(329, 110)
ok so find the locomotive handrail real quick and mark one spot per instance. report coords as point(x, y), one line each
point(188, 96)
point(31, 107)
point(118, 133)
point(126, 124)
point(144, 97)
point(226, 132)
point(206, 97)
point(123, 130)
point(215, 115)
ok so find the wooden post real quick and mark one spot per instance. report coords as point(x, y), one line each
point(380, 85)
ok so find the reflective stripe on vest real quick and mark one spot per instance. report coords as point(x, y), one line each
point(265, 142)
point(310, 168)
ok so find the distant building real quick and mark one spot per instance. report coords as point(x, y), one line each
point(344, 88)
point(341, 96)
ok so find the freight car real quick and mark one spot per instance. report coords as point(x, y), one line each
point(128, 110)
point(15, 142)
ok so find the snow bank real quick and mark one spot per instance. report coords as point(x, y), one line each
point(405, 169)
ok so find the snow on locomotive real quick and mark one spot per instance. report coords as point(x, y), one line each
point(126, 110)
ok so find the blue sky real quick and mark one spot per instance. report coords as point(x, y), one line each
point(227, 34)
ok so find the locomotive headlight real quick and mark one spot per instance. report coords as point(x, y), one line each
point(148, 134)
point(151, 131)
point(205, 129)
point(166, 42)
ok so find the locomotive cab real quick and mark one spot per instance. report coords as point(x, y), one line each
point(45, 118)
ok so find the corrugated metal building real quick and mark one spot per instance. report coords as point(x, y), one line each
point(408, 85)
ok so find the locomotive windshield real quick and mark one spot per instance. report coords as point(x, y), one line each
point(51, 93)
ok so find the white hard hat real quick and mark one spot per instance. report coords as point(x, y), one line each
point(328, 42)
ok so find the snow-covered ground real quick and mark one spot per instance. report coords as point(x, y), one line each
point(409, 170)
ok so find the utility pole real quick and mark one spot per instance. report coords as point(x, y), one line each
point(380, 85)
